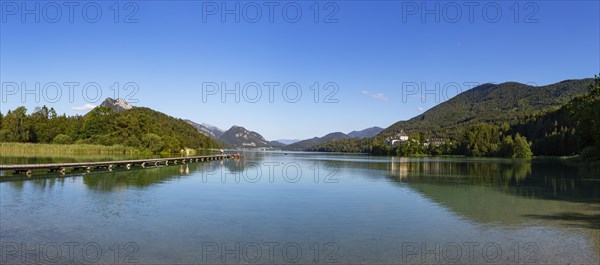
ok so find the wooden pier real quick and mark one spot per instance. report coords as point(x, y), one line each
point(88, 166)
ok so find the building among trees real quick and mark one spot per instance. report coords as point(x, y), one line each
point(397, 139)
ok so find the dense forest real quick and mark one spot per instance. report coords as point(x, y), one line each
point(140, 128)
point(546, 129)
point(572, 129)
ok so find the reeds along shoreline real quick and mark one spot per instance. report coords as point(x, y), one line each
point(58, 149)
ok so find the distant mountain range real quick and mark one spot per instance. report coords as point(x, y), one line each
point(288, 141)
point(309, 143)
point(306, 144)
point(366, 133)
point(509, 102)
point(240, 137)
point(207, 129)
point(494, 104)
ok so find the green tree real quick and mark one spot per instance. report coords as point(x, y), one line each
point(41, 127)
point(16, 127)
point(522, 148)
point(171, 144)
point(480, 140)
point(62, 139)
point(2, 131)
point(153, 142)
point(507, 148)
point(98, 122)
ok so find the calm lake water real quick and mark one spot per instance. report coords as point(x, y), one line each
point(310, 209)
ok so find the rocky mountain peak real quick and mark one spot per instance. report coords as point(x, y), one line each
point(118, 105)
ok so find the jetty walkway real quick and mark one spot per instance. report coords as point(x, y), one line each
point(88, 166)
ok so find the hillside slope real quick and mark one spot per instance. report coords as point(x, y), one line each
point(495, 104)
point(366, 133)
point(114, 123)
point(240, 137)
point(307, 144)
point(206, 129)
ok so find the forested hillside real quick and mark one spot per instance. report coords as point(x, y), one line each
point(141, 128)
point(572, 129)
point(507, 120)
point(309, 143)
point(494, 104)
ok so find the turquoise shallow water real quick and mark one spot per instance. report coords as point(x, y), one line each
point(308, 208)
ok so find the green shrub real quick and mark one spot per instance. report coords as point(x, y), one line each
point(62, 139)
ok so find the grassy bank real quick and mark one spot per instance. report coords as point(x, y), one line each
point(59, 149)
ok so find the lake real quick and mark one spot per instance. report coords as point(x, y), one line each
point(308, 208)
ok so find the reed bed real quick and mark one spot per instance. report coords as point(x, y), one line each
point(59, 149)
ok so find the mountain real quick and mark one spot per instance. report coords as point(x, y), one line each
point(118, 105)
point(216, 130)
point(115, 122)
point(366, 133)
point(240, 137)
point(235, 137)
point(491, 103)
point(532, 111)
point(336, 136)
point(134, 127)
point(306, 144)
point(287, 141)
point(207, 129)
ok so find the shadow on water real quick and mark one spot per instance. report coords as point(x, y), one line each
point(538, 179)
point(589, 221)
point(506, 193)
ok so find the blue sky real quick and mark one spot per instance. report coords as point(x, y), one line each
point(371, 54)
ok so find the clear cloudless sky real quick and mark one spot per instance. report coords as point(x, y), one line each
point(371, 53)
